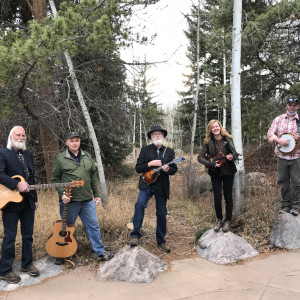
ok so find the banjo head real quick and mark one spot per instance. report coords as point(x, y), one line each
point(291, 147)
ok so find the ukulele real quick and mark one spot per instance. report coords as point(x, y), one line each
point(152, 175)
point(7, 195)
point(61, 242)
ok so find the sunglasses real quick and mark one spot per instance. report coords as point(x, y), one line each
point(292, 100)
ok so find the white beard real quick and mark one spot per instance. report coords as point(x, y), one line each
point(158, 142)
point(19, 144)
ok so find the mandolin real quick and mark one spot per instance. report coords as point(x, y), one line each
point(219, 158)
point(7, 195)
point(152, 175)
point(61, 242)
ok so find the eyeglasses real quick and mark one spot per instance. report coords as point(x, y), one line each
point(292, 100)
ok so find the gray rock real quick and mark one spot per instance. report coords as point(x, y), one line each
point(255, 178)
point(286, 231)
point(132, 265)
point(203, 183)
point(45, 265)
point(224, 248)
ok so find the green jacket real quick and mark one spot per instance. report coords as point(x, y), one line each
point(67, 169)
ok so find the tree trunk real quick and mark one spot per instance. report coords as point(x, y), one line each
point(50, 144)
point(236, 106)
point(195, 107)
point(141, 141)
point(50, 148)
point(224, 85)
point(133, 137)
point(88, 120)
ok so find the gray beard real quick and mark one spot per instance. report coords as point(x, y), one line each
point(158, 142)
point(19, 145)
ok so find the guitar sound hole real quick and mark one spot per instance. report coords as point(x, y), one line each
point(63, 233)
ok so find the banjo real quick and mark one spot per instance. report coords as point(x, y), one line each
point(291, 147)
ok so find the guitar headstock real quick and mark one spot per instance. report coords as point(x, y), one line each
point(178, 159)
point(77, 183)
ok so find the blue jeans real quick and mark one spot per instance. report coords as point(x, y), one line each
point(161, 214)
point(86, 210)
point(10, 223)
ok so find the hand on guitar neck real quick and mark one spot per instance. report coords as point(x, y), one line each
point(23, 187)
point(158, 163)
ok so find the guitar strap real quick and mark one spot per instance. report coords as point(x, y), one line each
point(298, 125)
point(162, 157)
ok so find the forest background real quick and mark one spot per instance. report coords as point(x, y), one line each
point(36, 89)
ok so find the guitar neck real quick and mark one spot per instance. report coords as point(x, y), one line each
point(65, 217)
point(167, 164)
point(218, 158)
point(49, 185)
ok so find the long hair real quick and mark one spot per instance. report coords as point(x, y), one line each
point(9, 144)
point(223, 131)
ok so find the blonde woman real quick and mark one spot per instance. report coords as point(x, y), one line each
point(218, 154)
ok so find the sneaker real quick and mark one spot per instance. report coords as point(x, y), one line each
point(11, 277)
point(163, 247)
point(58, 261)
point(218, 226)
point(226, 226)
point(31, 270)
point(294, 212)
point(105, 256)
point(134, 241)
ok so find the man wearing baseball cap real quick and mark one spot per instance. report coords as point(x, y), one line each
point(75, 164)
point(284, 131)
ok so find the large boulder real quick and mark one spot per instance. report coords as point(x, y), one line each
point(132, 265)
point(203, 183)
point(255, 179)
point(224, 248)
point(286, 231)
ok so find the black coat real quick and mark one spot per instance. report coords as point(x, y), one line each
point(10, 165)
point(148, 154)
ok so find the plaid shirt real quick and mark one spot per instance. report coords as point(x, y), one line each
point(283, 124)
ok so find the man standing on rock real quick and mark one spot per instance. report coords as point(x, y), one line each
point(154, 156)
point(284, 131)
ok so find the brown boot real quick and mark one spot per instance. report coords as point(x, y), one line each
point(134, 241)
point(218, 225)
point(226, 226)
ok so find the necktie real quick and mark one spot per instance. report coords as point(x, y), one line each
point(22, 161)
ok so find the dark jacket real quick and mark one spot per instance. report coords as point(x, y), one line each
point(211, 150)
point(147, 154)
point(67, 169)
point(10, 165)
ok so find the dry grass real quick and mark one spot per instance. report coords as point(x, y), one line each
point(185, 219)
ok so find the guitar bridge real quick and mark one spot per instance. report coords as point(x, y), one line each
point(61, 244)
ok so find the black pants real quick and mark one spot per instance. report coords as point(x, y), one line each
point(216, 182)
point(10, 223)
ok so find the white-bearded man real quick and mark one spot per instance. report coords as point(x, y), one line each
point(154, 155)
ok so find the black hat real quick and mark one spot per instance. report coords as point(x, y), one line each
point(157, 128)
point(72, 134)
point(292, 100)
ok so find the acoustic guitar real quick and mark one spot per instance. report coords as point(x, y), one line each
point(152, 175)
point(61, 242)
point(7, 195)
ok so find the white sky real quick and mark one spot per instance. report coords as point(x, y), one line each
point(167, 20)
